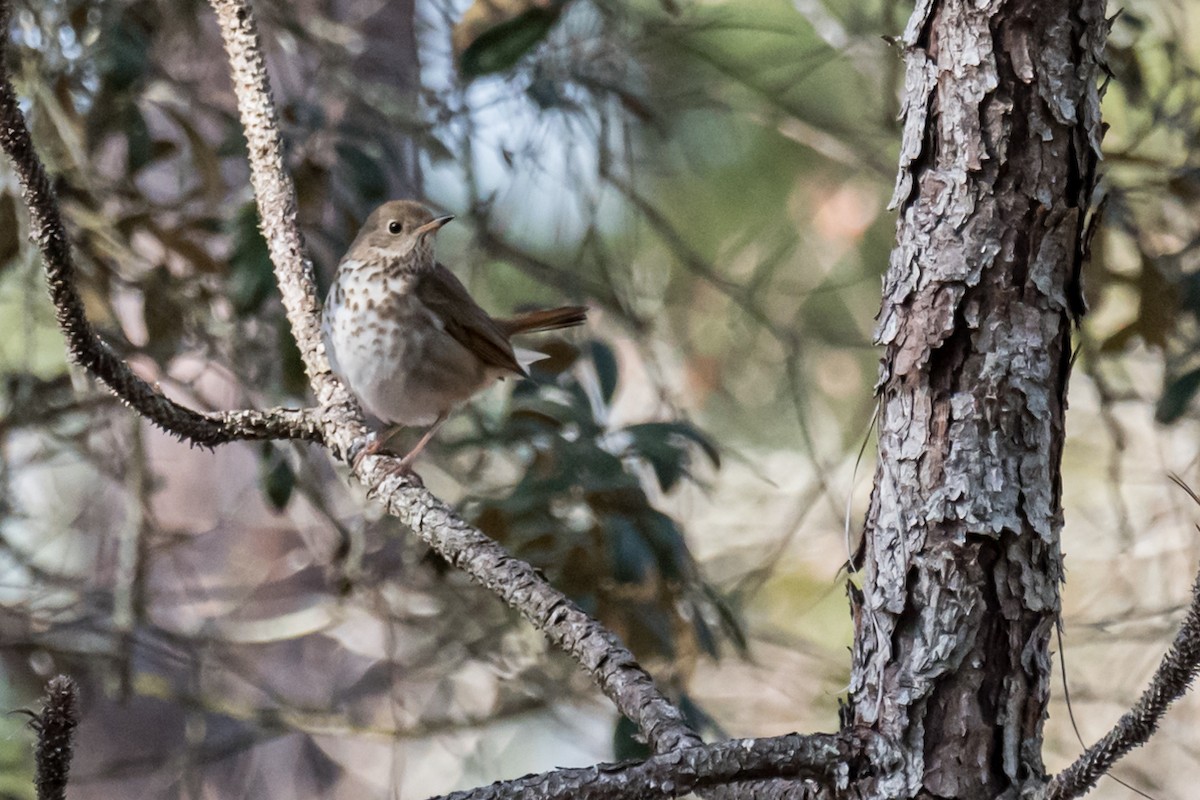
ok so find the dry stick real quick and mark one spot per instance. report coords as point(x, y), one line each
point(55, 726)
point(1170, 682)
point(833, 760)
point(85, 346)
point(611, 665)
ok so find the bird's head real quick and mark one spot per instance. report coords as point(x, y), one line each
point(399, 233)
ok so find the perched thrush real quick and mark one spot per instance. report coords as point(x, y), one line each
point(405, 335)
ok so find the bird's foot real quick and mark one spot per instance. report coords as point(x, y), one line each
point(400, 467)
point(376, 447)
point(369, 449)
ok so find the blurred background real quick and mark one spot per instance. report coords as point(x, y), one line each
point(711, 179)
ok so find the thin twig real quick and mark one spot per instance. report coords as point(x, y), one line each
point(1170, 682)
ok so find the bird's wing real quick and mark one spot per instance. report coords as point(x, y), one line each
point(471, 326)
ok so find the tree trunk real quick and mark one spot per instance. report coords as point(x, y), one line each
point(961, 548)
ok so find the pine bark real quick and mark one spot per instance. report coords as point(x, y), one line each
point(961, 548)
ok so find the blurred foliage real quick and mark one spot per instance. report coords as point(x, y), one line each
point(493, 35)
point(1145, 277)
point(580, 511)
point(709, 177)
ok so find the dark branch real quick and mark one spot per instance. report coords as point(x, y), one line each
point(597, 650)
point(83, 343)
point(1170, 682)
point(829, 760)
point(55, 727)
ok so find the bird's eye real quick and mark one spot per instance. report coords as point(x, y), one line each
point(395, 227)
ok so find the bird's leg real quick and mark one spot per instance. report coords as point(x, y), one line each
point(376, 445)
point(406, 463)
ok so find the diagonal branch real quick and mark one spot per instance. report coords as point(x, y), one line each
point(1171, 681)
point(611, 665)
point(83, 343)
point(596, 649)
point(830, 760)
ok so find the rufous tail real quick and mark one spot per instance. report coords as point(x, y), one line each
point(548, 319)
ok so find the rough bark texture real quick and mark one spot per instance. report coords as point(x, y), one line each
point(961, 551)
point(55, 728)
point(830, 760)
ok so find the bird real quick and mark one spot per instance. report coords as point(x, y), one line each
point(405, 335)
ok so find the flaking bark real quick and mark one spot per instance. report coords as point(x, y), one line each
point(961, 549)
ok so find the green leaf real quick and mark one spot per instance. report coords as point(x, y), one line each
point(632, 559)
point(499, 47)
point(670, 548)
point(548, 411)
point(125, 54)
point(668, 460)
point(139, 148)
point(600, 473)
point(606, 368)
point(253, 278)
point(678, 430)
point(627, 742)
point(731, 623)
point(1177, 397)
point(276, 478)
point(367, 175)
point(704, 634)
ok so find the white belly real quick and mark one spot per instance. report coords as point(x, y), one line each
point(399, 361)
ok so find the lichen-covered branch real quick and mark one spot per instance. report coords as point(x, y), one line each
point(275, 194)
point(1171, 681)
point(84, 344)
point(832, 761)
point(597, 649)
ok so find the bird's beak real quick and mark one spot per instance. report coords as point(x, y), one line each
point(434, 225)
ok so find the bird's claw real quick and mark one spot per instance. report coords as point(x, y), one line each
point(360, 450)
point(399, 469)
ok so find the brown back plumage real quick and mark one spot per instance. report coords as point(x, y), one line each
point(472, 327)
point(444, 294)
